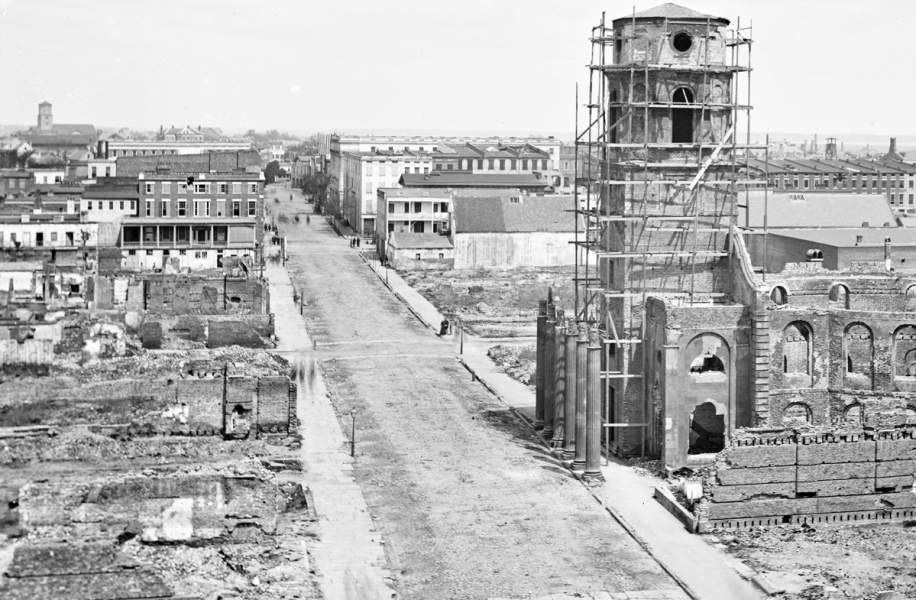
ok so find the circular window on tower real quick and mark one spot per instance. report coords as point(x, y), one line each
point(682, 41)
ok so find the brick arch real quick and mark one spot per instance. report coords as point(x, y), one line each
point(858, 356)
point(904, 351)
point(839, 295)
point(910, 298)
point(797, 413)
point(797, 353)
point(707, 357)
point(853, 415)
point(779, 295)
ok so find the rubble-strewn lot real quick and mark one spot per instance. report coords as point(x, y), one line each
point(829, 561)
point(518, 361)
point(493, 303)
point(90, 505)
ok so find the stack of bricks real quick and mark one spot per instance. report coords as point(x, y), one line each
point(789, 477)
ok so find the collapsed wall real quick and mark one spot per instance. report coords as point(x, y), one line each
point(788, 476)
point(235, 406)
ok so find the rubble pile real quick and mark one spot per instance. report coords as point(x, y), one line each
point(518, 361)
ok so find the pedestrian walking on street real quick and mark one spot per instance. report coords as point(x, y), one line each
point(357, 242)
point(308, 220)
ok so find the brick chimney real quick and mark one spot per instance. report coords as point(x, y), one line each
point(893, 147)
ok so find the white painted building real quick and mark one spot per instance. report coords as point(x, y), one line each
point(363, 173)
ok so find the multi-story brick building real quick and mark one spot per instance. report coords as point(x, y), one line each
point(338, 145)
point(198, 218)
point(363, 173)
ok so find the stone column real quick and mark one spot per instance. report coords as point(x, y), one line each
point(550, 346)
point(593, 408)
point(539, 366)
point(569, 413)
point(559, 396)
point(581, 364)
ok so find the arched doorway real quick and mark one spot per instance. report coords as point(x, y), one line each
point(707, 394)
point(682, 118)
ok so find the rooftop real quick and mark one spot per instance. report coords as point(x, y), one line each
point(672, 11)
point(849, 237)
point(480, 180)
point(513, 214)
point(414, 193)
point(816, 209)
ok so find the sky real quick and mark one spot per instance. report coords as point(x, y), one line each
point(501, 66)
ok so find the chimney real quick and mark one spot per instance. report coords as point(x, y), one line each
point(893, 148)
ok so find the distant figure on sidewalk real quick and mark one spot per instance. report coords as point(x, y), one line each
point(443, 327)
point(357, 242)
point(308, 220)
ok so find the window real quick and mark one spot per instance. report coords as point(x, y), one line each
point(182, 208)
point(201, 208)
point(88, 204)
point(149, 208)
point(94, 173)
point(839, 296)
point(252, 188)
point(224, 188)
point(166, 187)
point(182, 187)
point(201, 188)
point(682, 41)
point(111, 205)
point(544, 165)
point(122, 205)
point(252, 208)
point(859, 352)
point(490, 164)
point(163, 208)
point(107, 171)
point(149, 188)
point(524, 164)
point(236, 208)
point(53, 236)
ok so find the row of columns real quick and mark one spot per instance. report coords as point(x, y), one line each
point(568, 388)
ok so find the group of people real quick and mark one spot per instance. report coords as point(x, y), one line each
point(354, 241)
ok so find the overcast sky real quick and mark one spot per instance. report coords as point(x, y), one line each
point(478, 65)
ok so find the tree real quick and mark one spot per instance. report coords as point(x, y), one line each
point(271, 171)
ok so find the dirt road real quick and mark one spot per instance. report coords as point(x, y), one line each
point(467, 503)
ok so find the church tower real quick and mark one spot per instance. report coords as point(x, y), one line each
point(45, 118)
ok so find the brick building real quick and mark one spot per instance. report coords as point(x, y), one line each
point(194, 218)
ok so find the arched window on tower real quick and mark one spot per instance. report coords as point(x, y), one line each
point(682, 118)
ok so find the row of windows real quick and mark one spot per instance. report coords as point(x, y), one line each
point(493, 164)
point(391, 170)
point(417, 206)
point(165, 187)
point(842, 182)
point(839, 295)
point(95, 172)
point(100, 205)
point(52, 237)
point(201, 208)
point(182, 252)
point(117, 153)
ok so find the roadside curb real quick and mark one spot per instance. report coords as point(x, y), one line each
point(397, 295)
point(610, 510)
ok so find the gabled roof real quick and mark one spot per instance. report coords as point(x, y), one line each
point(669, 10)
point(481, 180)
point(513, 214)
point(817, 209)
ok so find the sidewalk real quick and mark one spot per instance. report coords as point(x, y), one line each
point(349, 556)
point(704, 571)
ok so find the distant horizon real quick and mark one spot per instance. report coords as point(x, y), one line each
point(854, 138)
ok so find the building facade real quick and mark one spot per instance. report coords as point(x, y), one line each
point(411, 211)
point(363, 173)
point(194, 220)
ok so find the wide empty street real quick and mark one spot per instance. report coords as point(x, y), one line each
point(468, 503)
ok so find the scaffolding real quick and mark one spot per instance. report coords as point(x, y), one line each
point(653, 206)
